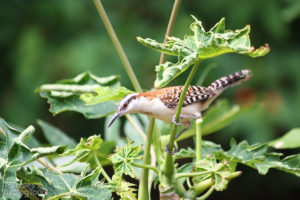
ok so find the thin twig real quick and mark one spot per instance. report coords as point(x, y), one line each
point(108, 179)
point(170, 26)
point(49, 165)
point(136, 126)
point(146, 167)
point(117, 45)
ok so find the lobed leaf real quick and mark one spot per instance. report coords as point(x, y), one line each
point(123, 158)
point(64, 95)
point(124, 189)
point(256, 156)
point(87, 149)
point(14, 154)
point(199, 46)
point(68, 185)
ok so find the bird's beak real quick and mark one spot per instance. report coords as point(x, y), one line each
point(114, 117)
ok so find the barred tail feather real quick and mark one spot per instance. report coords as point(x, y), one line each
point(231, 80)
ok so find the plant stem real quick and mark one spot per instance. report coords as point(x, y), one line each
point(180, 103)
point(146, 167)
point(143, 193)
point(204, 73)
point(108, 179)
point(170, 26)
point(117, 45)
point(207, 194)
point(49, 165)
point(144, 180)
point(181, 175)
point(136, 126)
point(157, 146)
point(198, 139)
point(167, 176)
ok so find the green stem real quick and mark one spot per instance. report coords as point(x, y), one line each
point(180, 103)
point(167, 176)
point(146, 167)
point(143, 187)
point(198, 140)
point(157, 146)
point(49, 165)
point(170, 26)
point(181, 175)
point(108, 179)
point(117, 45)
point(200, 187)
point(207, 194)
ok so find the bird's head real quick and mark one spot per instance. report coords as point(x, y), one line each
point(125, 106)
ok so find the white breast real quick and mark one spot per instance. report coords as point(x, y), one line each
point(159, 110)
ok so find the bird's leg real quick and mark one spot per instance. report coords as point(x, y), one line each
point(186, 126)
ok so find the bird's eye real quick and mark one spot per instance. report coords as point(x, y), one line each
point(125, 104)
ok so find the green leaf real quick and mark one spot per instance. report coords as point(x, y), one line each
point(208, 148)
point(14, 154)
point(218, 116)
point(124, 157)
point(85, 150)
point(123, 188)
point(287, 141)
point(220, 171)
point(65, 95)
point(199, 46)
point(131, 133)
point(55, 136)
point(258, 157)
point(68, 185)
point(104, 94)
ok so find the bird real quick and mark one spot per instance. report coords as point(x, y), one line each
point(162, 103)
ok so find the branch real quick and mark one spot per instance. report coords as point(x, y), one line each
point(146, 167)
point(170, 27)
point(49, 165)
point(118, 46)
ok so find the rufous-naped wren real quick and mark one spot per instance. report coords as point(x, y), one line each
point(162, 103)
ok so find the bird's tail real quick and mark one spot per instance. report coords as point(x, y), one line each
point(230, 80)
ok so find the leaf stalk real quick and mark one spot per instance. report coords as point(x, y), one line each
point(108, 179)
point(117, 44)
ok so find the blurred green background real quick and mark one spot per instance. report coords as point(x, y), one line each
point(45, 41)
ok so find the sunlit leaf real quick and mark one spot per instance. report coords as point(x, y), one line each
point(65, 95)
point(68, 185)
point(56, 136)
point(14, 154)
point(290, 140)
point(201, 45)
point(104, 94)
point(123, 157)
point(88, 150)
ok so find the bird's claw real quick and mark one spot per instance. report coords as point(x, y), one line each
point(175, 122)
point(169, 151)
